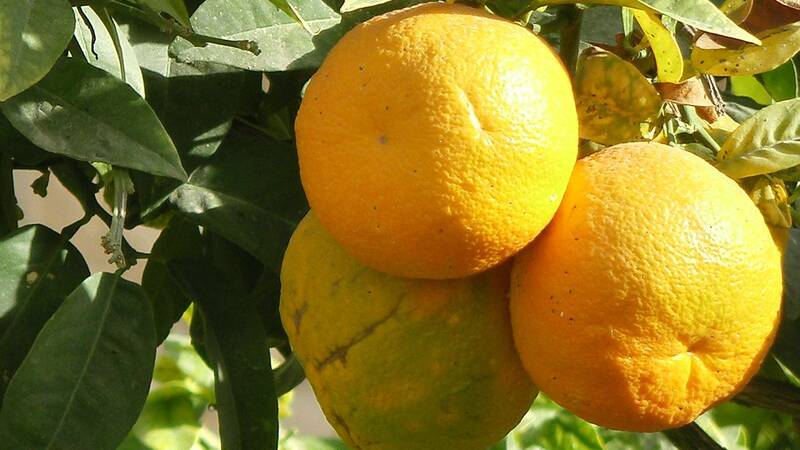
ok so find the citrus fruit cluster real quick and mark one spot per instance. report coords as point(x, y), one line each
point(421, 294)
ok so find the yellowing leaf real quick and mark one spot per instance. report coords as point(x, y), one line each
point(669, 59)
point(778, 46)
point(767, 142)
point(615, 101)
point(721, 128)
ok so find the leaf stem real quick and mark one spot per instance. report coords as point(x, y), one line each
point(771, 394)
point(572, 16)
point(691, 437)
point(173, 27)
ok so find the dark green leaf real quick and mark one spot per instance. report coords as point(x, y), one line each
point(194, 102)
point(781, 83)
point(86, 377)
point(197, 333)
point(19, 147)
point(8, 201)
point(740, 108)
point(174, 8)
point(97, 45)
point(288, 375)
point(32, 36)
point(249, 193)
point(38, 269)
point(83, 112)
point(238, 266)
point(767, 142)
point(787, 344)
point(234, 337)
point(266, 295)
point(284, 42)
point(180, 239)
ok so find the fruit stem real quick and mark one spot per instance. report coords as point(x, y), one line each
point(771, 394)
point(572, 17)
point(691, 437)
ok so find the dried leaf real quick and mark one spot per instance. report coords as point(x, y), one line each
point(689, 92)
point(769, 14)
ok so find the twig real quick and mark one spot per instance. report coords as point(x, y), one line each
point(173, 27)
point(770, 394)
point(691, 437)
point(572, 16)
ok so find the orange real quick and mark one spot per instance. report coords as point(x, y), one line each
point(437, 141)
point(400, 363)
point(653, 295)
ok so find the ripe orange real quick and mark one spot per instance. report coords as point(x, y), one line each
point(400, 363)
point(437, 141)
point(653, 295)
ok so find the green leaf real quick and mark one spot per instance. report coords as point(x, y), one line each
point(85, 113)
point(8, 201)
point(669, 59)
point(701, 14)
point(740, 108)
point(740, 427)
point(170, 420)
point(288, 375)
point(767, 142)
point(21, 150)
point(266, 296)
point(284, 43)
point(90, 365)
point(352, 5)
point(195, 103)
point(614, 100)
point(179, 362)
point(748, 86)
point(249, 193)
point(234, 337)
point(174, 8)
point(548, 426)
point(781, 83)
point(38, 270)
point(778, 46)
point(180, 239)
point(33, 35)
point(97, 46)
